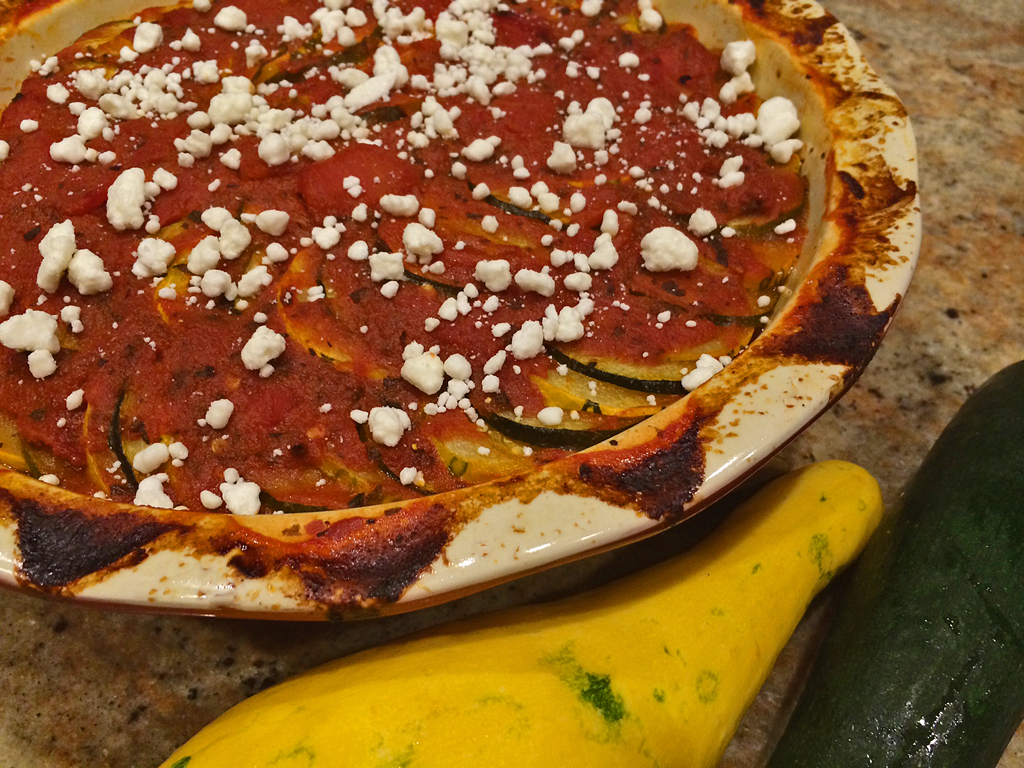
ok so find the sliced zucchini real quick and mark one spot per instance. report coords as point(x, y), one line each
point(12, 448)
point(573, 392)
point(570, 435)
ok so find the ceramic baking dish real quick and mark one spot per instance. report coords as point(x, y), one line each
point(860, 160)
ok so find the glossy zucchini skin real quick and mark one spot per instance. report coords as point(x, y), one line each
point(924, 664)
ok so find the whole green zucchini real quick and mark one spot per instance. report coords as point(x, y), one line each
point(924, 663)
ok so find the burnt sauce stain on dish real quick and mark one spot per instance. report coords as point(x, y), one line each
point(841, 327)
point(876, 189)
point(658, 482)
point(351, 561)
point(804, 32)
point(60, 545)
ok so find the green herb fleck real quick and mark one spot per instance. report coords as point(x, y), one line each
point(659, 695)
point(183, 762)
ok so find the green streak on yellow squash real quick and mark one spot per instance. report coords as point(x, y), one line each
point(653, 670)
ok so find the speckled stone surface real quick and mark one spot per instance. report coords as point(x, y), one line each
point(80, 687)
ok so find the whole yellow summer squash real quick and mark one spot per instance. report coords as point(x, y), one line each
point(653, 670)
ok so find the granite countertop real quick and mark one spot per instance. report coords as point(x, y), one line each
point(84, 687)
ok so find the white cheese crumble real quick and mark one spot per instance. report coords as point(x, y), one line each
point(272, 221)
point(151, 458)
point(386, 266)
point(151, 492)
point(387, 425)
point(219, 413)
point(737, 56)
point(706, 367)
point(551, 416)
point(702, 222)
point(57, 249)
point(495, 274)
point(152, 257)
point(420, 243)
point(240, 496)
point(423, 369)
point(562, 158)
point(528, 341)
point(231, 18)
point(75, 399)
point(87, 273)
point(536, 282)
point(125, 199)
point(666, 248)
point(263, 346)
point(30, 331)
point(6, 297)
point(400, 205)
point(148, 37)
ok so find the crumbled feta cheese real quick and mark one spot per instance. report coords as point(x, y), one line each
point(125, 199)
point(605, 255)
point(528, 341)
point(57, 249)
point(420, 243)
point(386, 266)
point(737, 56)
point(41, 363)
point(706, 367)
point(495, 274)
point(387, 425)
point(87, 273)
point(252, 281)
point(30, 331)
point(785, 227)
point(537, 282)
point(234, 239)
point(588, 130)
point(551, 416)
point(702, 222)
point(151, 493)
point(481, 149)
point(666, 248)
point(777, 120)
point(400, 205)
point(6, 297)
point(458, 367)
point(150, 458)
point(219, 412)
point(231, 18)
point(204, 256)
point(148, 37)
point(273, 222)
point(273, 149)
point(240, 496)
point(424, 370)
point(210, 500)
point(263, 346)
point(152, 257)
point(562, 158)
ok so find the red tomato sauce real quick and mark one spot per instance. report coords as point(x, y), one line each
point(150, 367)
